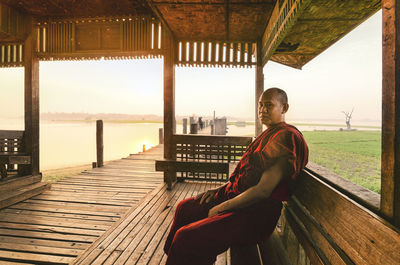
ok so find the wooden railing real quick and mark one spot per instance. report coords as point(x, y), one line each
point(202, 157)
point(11, 152)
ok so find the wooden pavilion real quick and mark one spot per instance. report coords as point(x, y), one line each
point(331, 222)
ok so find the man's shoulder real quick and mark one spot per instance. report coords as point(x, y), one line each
point(288, 128)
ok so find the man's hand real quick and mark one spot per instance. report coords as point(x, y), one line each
point(216, 210)
point(207, 196)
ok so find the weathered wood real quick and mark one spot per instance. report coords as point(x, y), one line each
point(259, 86)
point(361, 195)
point(11, 134)
point(160, 135)
point(43, 242)
point(22, 193)
point(138, 238)
point(365, 237)
point(318, 235)
point(390, 172)
point(18, 256)
point(215, 139)
point(99, 143)
point(14, 183)
point(304, 239)
point(31, 136)
point(166, 165)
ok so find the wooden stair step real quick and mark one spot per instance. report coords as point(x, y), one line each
point(16, 182)
point(22, 193)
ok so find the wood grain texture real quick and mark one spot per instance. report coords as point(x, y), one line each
point(56, 226)
point(390, 170)
point(362, 235)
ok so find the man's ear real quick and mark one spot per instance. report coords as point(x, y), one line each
point(285, 108)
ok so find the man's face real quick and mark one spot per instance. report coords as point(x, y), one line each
point(270, 109)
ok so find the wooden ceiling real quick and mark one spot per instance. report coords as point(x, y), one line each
point(79, 8)
point(234, 20)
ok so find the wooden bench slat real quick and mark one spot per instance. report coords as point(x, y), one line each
point(165, 165)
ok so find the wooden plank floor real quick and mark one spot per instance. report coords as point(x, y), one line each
point(138, 238)
point(58, 225)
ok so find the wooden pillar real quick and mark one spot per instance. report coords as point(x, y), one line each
point(390, 172)
point(169, 107)
point(161, 136)
point(99, 143)
point(259, 86)
point(31, 136)
point(184, 131)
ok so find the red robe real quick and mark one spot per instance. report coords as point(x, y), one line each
point(277, 142)
point(197, 239)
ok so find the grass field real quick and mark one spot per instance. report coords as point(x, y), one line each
point(354, 155)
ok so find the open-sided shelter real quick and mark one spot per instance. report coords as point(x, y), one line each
point(333, 224)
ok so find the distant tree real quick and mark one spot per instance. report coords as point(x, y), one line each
point(348, 118)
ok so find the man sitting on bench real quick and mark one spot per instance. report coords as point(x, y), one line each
point(246, 209)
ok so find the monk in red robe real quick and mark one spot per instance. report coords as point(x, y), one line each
point(246, 209)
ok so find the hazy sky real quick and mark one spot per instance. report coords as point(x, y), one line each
point(346, 75)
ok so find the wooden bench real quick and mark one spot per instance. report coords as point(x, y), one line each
point(332, 228)
point(202, 157)
point(12, 151)
point(193, 170)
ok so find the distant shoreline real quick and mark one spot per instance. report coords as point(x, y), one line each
point(248, 123)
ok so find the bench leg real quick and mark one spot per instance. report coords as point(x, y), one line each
point(170, 178)
point(3, 171)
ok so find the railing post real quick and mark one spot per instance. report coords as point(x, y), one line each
point(99, 142)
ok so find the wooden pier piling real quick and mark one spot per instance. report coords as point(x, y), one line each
point(99, 143)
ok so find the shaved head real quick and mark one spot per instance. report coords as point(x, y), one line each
point(283, 98)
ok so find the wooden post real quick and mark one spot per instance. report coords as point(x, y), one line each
point(169, 107)
point(390, 172)
point(184, 126)
point(31, 136)
point(99, 143)
point(259, 86)
point(160, 135)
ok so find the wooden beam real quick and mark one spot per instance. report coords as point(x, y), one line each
point(174, 3)
point(158, 14)
point(259, 86)
point(31, 103)
point(281, 22)
point(169, 104)
point(227, 19)
point(390, 172)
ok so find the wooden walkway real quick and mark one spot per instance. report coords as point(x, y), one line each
point(139, 237)
point(58, 225)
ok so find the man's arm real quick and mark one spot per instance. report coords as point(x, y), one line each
point(269, 180)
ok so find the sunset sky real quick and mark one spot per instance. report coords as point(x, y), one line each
point(346, 75)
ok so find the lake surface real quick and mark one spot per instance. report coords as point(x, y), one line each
point(65, 144)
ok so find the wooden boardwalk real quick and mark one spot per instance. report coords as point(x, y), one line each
point(58, 225)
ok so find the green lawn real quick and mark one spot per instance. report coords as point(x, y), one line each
point(354, 155)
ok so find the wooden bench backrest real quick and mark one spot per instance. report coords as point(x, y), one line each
point(11, 141)
point(333, 229)
point(210, 149)
point(204, 148)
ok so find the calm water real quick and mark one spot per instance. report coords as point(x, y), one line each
point(70, 144)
